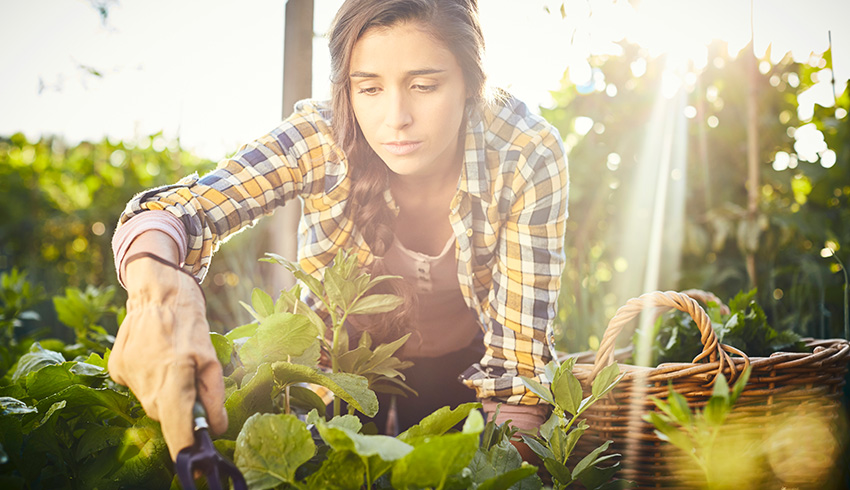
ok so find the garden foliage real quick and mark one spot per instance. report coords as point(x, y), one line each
point(65, 424)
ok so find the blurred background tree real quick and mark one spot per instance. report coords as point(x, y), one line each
point(641, 128)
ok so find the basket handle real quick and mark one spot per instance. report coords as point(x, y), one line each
point(712, 349)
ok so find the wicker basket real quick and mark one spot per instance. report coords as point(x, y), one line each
point(779, 383)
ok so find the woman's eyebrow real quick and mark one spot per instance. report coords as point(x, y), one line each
point(412, 73)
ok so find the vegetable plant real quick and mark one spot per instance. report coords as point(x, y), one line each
point(695, 432)
point(559, 435)
point(677, 338)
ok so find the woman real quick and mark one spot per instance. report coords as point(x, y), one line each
point(408, 166)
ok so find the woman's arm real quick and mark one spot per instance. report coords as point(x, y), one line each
point(526, 277)
point(287, 162)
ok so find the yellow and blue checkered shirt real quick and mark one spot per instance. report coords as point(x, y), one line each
point(508, 217)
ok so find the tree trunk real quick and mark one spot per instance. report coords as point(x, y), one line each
point(297, 85)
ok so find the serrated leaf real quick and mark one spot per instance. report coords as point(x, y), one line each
point(376, 303)
point(270, 448)
point(538, 389)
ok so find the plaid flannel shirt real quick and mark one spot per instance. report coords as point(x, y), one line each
point(508, 217)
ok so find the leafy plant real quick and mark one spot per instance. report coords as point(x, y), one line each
point(82, 310)
point(695, 432)
point(559, 435)
point(343, 291)
point(677, 337)
point(17, 297)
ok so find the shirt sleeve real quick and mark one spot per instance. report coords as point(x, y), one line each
point(527, 275)
point(287, 162)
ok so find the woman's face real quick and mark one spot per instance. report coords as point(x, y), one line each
point(408, 94)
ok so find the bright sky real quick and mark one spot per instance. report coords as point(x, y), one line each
point(211, 71)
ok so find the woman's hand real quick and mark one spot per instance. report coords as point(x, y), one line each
point(163, 351)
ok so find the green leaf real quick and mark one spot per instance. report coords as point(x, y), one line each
point(559, 472)
point(507, 479)
point(37, 358)
point(279, 336)
point(376, 303)
point(13, 406)
point(343, 470)
point(223, 348)
point(255, 396)
point(86, 370)
point(538, 389)
point(55, 407)
point(342, 438)
point(566, 390)
point(667, 432)
point(287, 301)
point(606, 380)
point(595, 477)
point(721, 387)
point(79, 397)
point(590, 460)
point(242, 332)
point(263, 303)
point(679, 407)
point(271, 447)
point(549, 426)
point(431, 463)
point(539, 449)
point(573, 437)
point(715, 411)
point(351, 388)
point(305, 398)
point(439, 422)
point(739, 386)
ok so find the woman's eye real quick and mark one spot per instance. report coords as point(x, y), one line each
point(425, 88)
point(369, 91)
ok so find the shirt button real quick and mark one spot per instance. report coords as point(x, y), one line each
point(469, 232)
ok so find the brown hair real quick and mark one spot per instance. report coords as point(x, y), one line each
point(453, 23)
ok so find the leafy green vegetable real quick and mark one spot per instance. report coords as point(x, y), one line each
point(271, 447)
point(559, 435)
point(677, 338)
point(695, 432)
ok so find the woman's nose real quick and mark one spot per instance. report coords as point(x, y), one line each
point(399, 115)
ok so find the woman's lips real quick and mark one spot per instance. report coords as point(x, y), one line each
point(400, 148)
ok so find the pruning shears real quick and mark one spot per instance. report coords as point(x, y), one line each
point(203, 457)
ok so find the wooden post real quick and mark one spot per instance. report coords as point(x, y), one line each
point(297, 85)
